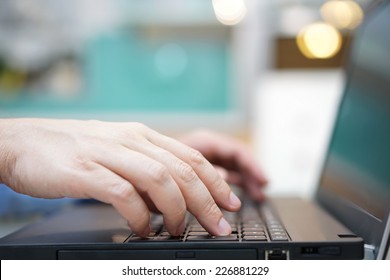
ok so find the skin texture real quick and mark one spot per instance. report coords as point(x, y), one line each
point(130, 166)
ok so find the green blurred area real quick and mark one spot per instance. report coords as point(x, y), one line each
point(123, 71)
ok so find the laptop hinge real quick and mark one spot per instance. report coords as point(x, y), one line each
point(369, 252)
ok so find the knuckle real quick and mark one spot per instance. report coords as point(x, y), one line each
point(158, 173)
point(84, 163)
point(196, 158)
point(128, 131)
point(185, 172)
point(139, 127)
point(120, 191)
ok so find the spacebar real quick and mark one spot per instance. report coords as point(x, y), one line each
point(212, 238)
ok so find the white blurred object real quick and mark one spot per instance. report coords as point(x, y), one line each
point(230, 12)
point(294, 114)
point(34, 32)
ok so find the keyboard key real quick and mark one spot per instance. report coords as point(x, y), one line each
point(198, 233)
point(197, 228)
point(275, 227)
point(232, 237)
point(255, 238)
point(278, 232)
point(279, 238)
point(253, 233)
point(253, 229)
point(246, 225)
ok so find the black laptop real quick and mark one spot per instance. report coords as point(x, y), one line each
point(349, 218)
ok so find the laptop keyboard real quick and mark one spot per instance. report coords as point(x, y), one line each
point(248, 225)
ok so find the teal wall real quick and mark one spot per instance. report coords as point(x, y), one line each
point(127, 72)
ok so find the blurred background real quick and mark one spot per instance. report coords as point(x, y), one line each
point(178, 63)
point(267, 71)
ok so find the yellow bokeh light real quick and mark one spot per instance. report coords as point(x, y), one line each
point(319, 40)
point(342, 13)
point(229, 12)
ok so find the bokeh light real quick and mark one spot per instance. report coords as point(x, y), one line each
point(342, 14)
point(319, 40)
point(230, 12)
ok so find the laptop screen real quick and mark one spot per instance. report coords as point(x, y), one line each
point(357, 169)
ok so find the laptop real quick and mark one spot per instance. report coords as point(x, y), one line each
point(348, 219)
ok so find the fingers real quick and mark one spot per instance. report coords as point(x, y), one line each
point(237, 156)
point(151, 179)
point(232, 155)
point(241, 179)
point(254, 190)
point(239, 162)
point(218, 188)
point(202, 187)
point(222, 172)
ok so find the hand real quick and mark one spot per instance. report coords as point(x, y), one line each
point(233, 157)
point(127, 165)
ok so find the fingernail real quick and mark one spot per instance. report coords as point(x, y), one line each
point(234, 200)
point(224, 227)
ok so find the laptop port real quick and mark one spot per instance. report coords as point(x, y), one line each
point(325, 250)
point(277, 254)
point(309, 250)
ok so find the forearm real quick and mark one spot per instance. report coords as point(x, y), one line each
point(7, 157)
